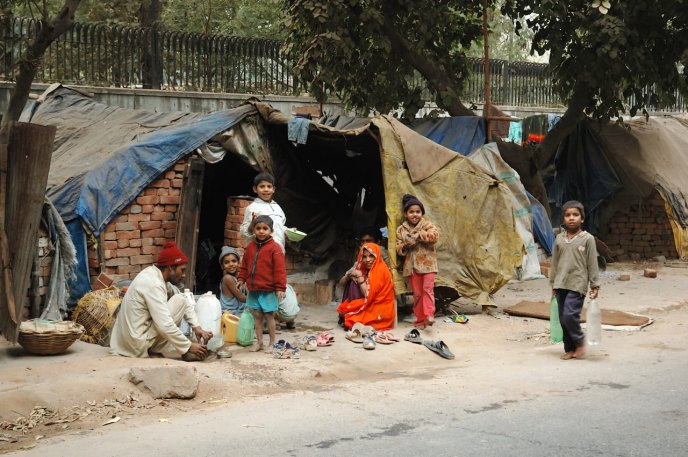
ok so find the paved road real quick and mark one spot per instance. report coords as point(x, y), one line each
point(620, 404)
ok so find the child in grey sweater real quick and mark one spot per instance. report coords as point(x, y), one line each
point(574, 268)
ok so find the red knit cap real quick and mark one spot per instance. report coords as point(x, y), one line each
point(171, 255)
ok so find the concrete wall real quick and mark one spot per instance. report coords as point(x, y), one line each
point(166, 101)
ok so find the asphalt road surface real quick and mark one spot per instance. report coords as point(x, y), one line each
point(632, 402)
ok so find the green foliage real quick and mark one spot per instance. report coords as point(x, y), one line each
point(505, 42)
point(612, 50)
point(369, 52)
point(254, 18)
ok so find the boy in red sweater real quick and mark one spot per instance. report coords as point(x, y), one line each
point(264, 272)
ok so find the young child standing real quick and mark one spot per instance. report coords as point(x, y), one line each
point(264, 205)
point(264, 272)
point(416, 238)
point(574, 266)
point(232, 298)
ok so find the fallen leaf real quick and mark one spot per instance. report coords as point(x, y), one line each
point(163, 419)
point(28, 446)
point(112, 421)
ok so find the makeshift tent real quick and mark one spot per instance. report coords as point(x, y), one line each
point(583, 173)
point(105, 156)
point(651, 155)
point(488, 157)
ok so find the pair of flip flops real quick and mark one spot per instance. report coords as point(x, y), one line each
point(284, 350)
point(438, 347)
point(324, 339)
point(385, 338)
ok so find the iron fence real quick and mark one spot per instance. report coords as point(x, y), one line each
point(118, 56)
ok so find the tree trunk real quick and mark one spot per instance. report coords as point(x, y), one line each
point(149, 15)
point(439, 79)
point(566, 125)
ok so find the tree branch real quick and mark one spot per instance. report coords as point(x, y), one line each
point(567, 124)
point(34, 54)
point(436, 76)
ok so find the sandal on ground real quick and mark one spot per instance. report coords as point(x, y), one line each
point(308, 343)
point(364, 329)
point(381, 338)
point(324, 339)
point(414, 337)
point(391, 337)
point(354, 335)
point(368, 343)
point(439, 348)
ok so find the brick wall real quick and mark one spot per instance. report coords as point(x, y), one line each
point(641, 232)
point(235, 216)
point(131, 241)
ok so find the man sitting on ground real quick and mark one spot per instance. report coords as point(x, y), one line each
point(147, 324)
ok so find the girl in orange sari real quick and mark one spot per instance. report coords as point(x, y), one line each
point(376, 308)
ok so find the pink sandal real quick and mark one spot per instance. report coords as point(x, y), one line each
point(324, 339)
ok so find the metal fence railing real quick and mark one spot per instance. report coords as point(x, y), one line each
point(117, 56)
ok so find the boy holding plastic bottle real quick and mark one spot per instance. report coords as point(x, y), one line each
point(574, 267)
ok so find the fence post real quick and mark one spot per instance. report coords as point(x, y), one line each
point(151, 59)
point(506, 69)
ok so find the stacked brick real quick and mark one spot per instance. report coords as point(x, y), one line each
point(131, 241)
point(641, 232)
point(235, 216)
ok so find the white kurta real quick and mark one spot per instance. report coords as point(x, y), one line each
point(263, 208)
point(147, 320)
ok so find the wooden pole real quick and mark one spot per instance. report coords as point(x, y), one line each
point(30, 150)
point(188, 215)
point(486, 63)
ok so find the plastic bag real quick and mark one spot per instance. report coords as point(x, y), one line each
point(556, 333)
point(245, 330)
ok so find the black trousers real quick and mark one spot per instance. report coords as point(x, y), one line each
point(570, 307)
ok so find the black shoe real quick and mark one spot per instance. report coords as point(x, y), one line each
point(290, 325)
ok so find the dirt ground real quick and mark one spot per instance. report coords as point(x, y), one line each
point(81, 390)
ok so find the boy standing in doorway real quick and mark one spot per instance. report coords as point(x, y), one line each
point(264, 205)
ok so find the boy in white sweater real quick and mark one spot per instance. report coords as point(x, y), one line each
point(264, 205)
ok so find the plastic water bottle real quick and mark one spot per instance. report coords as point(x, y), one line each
point(593, 319)
point(556, 333)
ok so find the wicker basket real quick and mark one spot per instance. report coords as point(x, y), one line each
point(96, 311)
point(47, 337)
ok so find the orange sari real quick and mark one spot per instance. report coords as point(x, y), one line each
point(377, 307)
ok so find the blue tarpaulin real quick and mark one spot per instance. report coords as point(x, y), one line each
point(463, 134)
point(97, 194)
point(542, 227)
